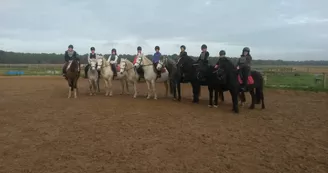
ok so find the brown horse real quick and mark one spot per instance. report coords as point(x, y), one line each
point(72, 76)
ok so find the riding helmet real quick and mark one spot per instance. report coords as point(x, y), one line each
point(139, 48)
point(113, 50)
point(222, 52)
point(92, 48)
point(204, 46)
point(246, 49)
point(183, 46)
point(156, 47)
point(70, 46)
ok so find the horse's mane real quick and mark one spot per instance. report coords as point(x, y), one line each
point(74, 65)
point(104, 61)
point(144, 58)
point(129, 63)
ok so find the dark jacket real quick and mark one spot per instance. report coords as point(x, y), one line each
point(203, 57)
point(68, 57)
point(244, 60)
point(221, 58)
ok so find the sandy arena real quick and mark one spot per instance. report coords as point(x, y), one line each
point(41, 131)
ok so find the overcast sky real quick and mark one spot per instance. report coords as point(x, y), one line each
point(275, 29)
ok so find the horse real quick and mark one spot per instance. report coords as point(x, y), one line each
point(228, 75)
point(174, 76)
point(107, 74)
point(187, 68)
point(122, 77)
point(127, 70)
point(93, 77)
point(151, 76)
point(72, 76)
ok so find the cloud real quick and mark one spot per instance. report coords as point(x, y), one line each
point(272, 29)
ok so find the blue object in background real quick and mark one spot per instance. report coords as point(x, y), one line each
point(15, 72)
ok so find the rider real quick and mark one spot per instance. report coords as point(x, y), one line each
point(244, 63)
point(139, 52)
point(156, 58)
point(113, 59)
point(70, 54)
point(91, 56)
point(203, 57)
point(183, 52)
point(222, 56)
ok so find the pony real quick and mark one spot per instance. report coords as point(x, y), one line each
point(174, 75)
point(130, 75)
point(72, 76)
point(151, 76)
point(107, 74)
point(228, 75)
point(93, 77)
point(187, 68)
point(122, 77)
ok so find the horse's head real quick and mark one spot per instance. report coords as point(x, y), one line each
point(100, 62)
point(123, 65)
point(161, 64)
point(93, 65)
point(73, 65)
point(138, 61)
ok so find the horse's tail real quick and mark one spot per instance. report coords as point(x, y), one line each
point(259, 89)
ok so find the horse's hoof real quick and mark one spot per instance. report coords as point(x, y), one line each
point(134, 97)
point(210, 106)
point(90, 94)
point(155, 98)
point(215, 106)
point(251, 107)
point(174, 99)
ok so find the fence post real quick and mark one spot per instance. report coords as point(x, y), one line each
point(324, 80)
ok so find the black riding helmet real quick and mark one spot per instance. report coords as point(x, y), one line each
point(183, 46)
point(222, 52)
point(70, 46)
point(156, 47)
point(246, 49)
point(204, 46)
point(113, 50)
point(139, 48)
point(92, 48)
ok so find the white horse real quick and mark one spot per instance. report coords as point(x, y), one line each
point(107, 74)
point(123, 79)
point(127, 70)
point(93, 77)
point(150, 75)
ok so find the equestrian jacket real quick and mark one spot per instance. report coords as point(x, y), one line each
point(203, 57)
point(92, 56)
point(112, 59)
point(70, 55)
point(244, 60)
point(156, 57)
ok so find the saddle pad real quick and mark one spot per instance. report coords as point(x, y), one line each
point(118, 68)
point(250, 80)
point(163, 70)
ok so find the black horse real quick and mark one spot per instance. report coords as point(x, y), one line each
point(228, 76)
point(187, 73)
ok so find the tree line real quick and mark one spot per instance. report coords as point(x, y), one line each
point(52, 58)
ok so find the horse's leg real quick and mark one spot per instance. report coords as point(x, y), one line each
point(98, 88)
point(148, 86)
point(135, 89)
point(234, 96)
point(221, 95)
point(122, 86)
point(179, 90)
point(166, 85)
point(216, 97)
point(75, 87)
point(90, 87)
point(262, 97)
point(69, 88)
point(195, 91)
point(210, 92)
point(110, 85)
point(153, 85)
point(242, 98)
point(251, 91)
point(106, 87)
point(127, 86)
